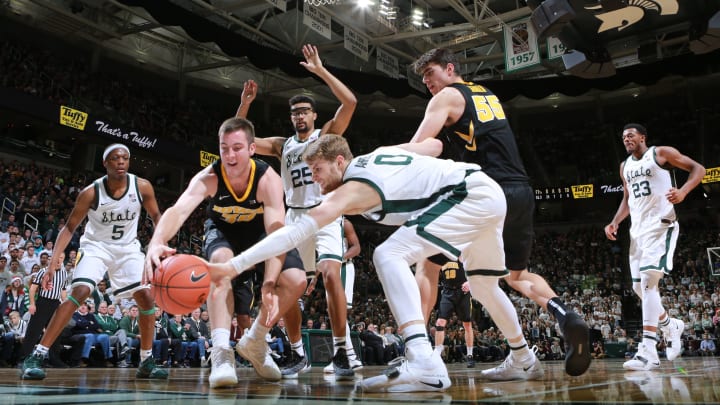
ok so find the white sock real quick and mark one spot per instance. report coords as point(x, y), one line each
point(221, 337)
point(258, 331)
point(298, 348)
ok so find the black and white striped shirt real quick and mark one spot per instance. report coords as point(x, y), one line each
point(59, 283)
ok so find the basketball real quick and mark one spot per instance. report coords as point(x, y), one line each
point(181, 284)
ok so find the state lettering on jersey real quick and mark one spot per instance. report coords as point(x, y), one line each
point(292, 158)
point(361, 162)
point(631, 175)
point(235, 214)
point(109, 217)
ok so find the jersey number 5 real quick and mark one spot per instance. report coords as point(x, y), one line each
point(118, 232)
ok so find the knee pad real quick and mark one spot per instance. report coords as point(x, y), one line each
point(439, 328)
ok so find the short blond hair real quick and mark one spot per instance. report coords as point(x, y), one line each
point(328, 147)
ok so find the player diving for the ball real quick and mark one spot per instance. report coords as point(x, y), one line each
point(246, 202)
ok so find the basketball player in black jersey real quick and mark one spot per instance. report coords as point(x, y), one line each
point(455, 296)
point(246, 202)
point(471, 123)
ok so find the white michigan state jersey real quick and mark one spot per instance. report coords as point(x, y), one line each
point(407, 183)
point(300, 190)
point(647, 184)
point(114, 221)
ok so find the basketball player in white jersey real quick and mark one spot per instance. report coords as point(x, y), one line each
point(351, 248)
point(301, 194)
point(113, 205)
point(649, 196)
point(440, 206)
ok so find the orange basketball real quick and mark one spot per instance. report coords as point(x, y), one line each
point(181, 284)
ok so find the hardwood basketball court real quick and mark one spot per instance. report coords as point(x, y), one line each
point(691, 380)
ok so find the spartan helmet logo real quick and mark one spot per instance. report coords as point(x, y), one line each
point(624, 17)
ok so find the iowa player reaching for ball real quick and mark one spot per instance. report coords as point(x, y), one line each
point(112, 205)
point(246, 202)
point(455, 296)
point(472, 125)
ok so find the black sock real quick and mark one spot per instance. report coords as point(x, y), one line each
point(558, 309)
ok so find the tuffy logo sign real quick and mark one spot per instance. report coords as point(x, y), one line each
point(712, 175)
point(635, 10)
point(207, 158)
point(582, 191)
point(73, 118)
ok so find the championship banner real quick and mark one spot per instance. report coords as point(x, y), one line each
point(555, 48)
point(73, 118)
point(387, 64)
point(582, 191)
point(356, 43)
point(521, 48)
point(712, 175)
point(207, 158)
point(281, 4)
point(318, 20)
point(415, 81)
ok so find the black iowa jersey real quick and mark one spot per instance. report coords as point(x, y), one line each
point(482, 135)
point(452, 276)
point(238, 217)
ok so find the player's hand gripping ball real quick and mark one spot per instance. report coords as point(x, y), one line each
point(181, 284)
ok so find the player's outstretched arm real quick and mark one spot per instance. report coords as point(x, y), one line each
point(340, 121)
point(350, 198)
point(271, 146)
point(203, 184)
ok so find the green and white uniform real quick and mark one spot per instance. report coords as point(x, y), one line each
point(449, 207)
point(301, 194)
point(110, 243)
point(654, 229)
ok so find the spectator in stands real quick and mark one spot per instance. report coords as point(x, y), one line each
point(394, 345)
point(12, 337)
point(5, 276)
point(162, 342)
point(129, 323)
point(15, 297)
point(556, 352)
point(374, 347)
point(199, 332)
point(180, 330)
point(707, 346)
point(598, 351)
point(85, 324)
point(110, 326)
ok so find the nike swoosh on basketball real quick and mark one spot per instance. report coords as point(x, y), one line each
point(434, 385)
point(195, 278)
point(222, 197)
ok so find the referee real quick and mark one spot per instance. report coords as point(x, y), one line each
point(42, 309)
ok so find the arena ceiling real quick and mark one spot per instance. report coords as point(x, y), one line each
point(226, 42)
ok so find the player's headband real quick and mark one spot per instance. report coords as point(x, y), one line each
point(113, 147)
